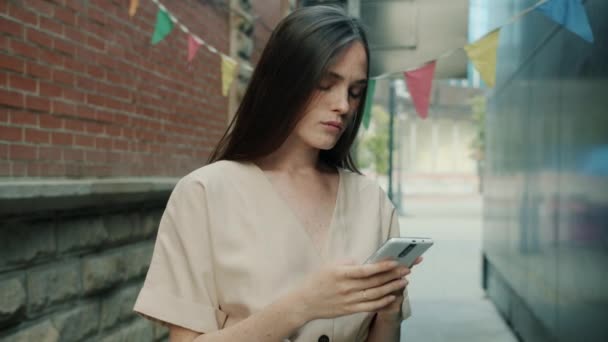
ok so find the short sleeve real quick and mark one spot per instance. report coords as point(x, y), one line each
point(395, 231)
point(180, 285)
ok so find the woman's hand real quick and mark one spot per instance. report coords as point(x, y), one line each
point(393, 310)
point(346, 288)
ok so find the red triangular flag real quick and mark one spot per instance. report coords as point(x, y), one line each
point(193, 46)
point(419, 83)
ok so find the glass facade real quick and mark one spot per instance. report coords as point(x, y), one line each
point(546, 176)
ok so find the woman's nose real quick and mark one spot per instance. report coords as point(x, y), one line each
point(340, 102)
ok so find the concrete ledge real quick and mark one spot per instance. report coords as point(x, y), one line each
point(19, 197)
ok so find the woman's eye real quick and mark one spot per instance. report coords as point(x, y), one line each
point(355, 94)
point(324, 86)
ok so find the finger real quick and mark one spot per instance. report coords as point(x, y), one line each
point(367, 270)
point(381, 279)
point(373, 305)
point(380, 291)
point(417, 261)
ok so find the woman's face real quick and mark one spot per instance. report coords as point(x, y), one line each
point(335, 101)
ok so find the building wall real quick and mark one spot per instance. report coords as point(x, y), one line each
point(83, 93)
point(90, 114)
point(546, 180)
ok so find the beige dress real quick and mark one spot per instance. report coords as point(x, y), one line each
point(228, 246)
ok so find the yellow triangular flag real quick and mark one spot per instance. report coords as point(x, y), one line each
point(483, 56)
point(133, 7)
point(228, 68)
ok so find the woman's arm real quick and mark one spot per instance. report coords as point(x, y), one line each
point(276, 322)
point(332, 292)
point(385, 327)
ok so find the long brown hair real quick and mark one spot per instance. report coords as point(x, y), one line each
point(297, 55)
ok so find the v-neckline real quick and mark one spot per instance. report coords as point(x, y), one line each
point(323, 249)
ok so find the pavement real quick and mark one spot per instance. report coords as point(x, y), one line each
point(448, 303)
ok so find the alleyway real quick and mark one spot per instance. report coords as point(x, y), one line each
point(447, 301)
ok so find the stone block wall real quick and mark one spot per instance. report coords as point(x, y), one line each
point(74, 274)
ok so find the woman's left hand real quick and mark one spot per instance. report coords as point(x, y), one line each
point(393, 310)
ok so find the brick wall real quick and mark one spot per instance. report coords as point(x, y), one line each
point(83, 93)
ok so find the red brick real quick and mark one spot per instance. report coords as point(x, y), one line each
point(39, 38)
point(49, 153)
point(77, 6)
point(26, 50)
point(63, 77)
point(23, 118)
point(51, 25)
point(85, 112)
point(95, 71)
point(58, 138)
point(3, 151)
point(60, 107)
point(97, 15)
point(11, 133)
point(37, 104)
point(51, 57)
point(22, 152)
point(74, 125)
point(84, 140)
point(74, 95)
point(17, 82)
point(86, 83)
point(38, 70)
point(104, 116)
point(22, 15)
point(49, 89)
point(11, 27)
point(95, 156)
point(95, 100)
point(50, 169)
point(73, 155)
point(65, 15)
point(11, 98)
point(92, 127)
point(37, 136)
point(96, 43)
point(74, 66)
point(39, 6)
point(75, 35)
point(103, 143)
point(65, 46)
point(120, 145)
point(49, 121)
point(12, 63)
point(19, 169)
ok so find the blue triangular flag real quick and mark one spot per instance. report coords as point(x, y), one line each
point(571, 14)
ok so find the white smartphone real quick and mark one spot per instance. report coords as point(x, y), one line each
point(404, 250)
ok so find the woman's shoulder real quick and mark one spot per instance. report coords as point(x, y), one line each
point(364, 184)
point(217, 172)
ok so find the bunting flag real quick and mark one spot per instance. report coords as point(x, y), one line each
point(193, 46)
point(133, 7)
point(483, 56)
point(419, 83)
point(569, 13)
point(228, 68)
point(369, 100)
point(163, 26)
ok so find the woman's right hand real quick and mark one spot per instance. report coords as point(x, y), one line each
point(348, 288)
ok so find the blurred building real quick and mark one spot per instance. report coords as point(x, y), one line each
point(545, 182)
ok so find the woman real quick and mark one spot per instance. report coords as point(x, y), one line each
point(267, 242)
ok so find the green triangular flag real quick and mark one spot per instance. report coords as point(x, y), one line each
point(163, 26)
point(369, 100)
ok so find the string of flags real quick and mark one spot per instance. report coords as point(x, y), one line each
point(419, 80)
point(482, 53)
point(166, 21)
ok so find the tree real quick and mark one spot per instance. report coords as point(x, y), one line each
point(372, 145)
